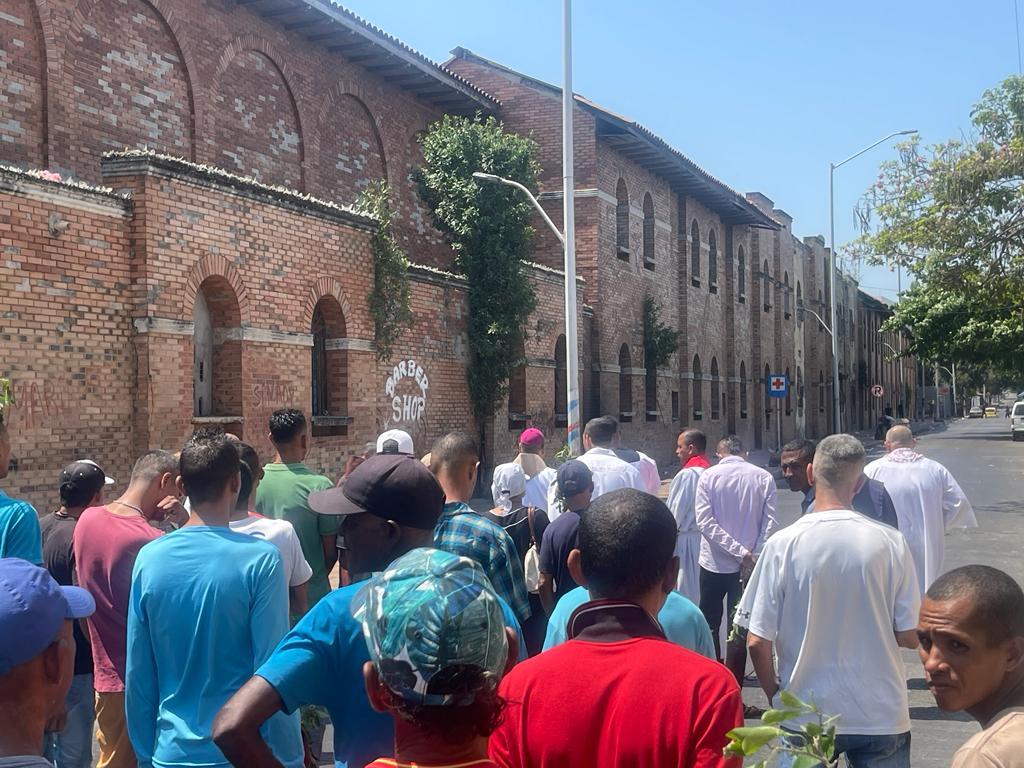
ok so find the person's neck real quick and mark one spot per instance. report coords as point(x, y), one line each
point(211, 513)
point(289, 454)
point(1011, 694)
point(131, 502)
point(72, 512)
point(419, 745)
point(453, 493)
point(827, 499)
point(652, 601)
point(21, 727)
point(239, 513)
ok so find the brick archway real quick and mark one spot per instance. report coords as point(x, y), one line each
point(217, 266)
point(326, 286)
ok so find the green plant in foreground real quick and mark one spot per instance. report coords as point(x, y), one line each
point(6, 396)
point(812, 744)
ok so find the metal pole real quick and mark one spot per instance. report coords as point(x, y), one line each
point(956, 403)
point(836, 415)
point(778, 418)
point(569, 221)
point(938, 403)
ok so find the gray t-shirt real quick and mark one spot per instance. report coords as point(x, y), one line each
point(25, 761)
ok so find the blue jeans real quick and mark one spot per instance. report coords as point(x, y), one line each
point(72, 747)
point(887, 751)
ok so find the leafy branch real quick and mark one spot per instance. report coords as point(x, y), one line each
point(389, 298)
point(660, 341)
point(6, 396)
point(812, 744)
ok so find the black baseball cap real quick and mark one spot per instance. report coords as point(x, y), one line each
point(573, 477)
point(79, 482)
point(392, 486)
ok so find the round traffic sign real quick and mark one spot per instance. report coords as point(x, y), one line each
point(878, 390)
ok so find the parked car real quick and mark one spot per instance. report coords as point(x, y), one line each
point(990, 412)
point(1017, 420)
point(976, 412)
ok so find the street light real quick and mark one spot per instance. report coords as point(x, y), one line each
point(571, 344)
point(836, 415)
point(952, 375)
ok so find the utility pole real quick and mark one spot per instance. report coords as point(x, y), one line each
point(569, 228)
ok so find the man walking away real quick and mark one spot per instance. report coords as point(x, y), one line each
point(454, 460)
point(691, 447)
point(871, 498)
point(735, 511)
point(37, 651)
point(280, 533)
point(208, 605)
point(107, 541)
point(539, 476)
point(81, 486)
point(609, 471)
point(617, 693)
point(389, 506)
point(444, 706)
point(525, 526)
point(834, 596)
point(575, 485)
point(19, 522)
point(972, 647)
point(283, 494)
point(928, 500)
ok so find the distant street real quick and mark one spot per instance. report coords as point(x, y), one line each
point(990, 469)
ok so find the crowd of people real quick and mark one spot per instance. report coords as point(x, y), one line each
point(576, 620)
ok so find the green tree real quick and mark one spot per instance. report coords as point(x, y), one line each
point(488, 226)
point(953, 215)
point(660, 341)
point(390, 296)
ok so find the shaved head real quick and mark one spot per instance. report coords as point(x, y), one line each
point(899, 437)
point(997, 600)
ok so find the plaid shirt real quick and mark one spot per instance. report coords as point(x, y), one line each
point(463, 532)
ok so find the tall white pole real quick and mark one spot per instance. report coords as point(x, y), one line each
point(837, 419)
point(569, 228)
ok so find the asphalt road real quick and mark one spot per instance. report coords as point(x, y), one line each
point(990, 469)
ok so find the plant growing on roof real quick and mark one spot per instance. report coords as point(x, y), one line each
point(660, 341)
point(488, 226)
point(389, 298)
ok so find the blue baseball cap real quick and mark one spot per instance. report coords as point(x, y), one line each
point(573, 477)
point(33, 606)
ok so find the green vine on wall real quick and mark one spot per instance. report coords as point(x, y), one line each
point(488, 226)
point(660, 341)
point(389, 299)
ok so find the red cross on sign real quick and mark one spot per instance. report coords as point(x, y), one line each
point(778, 384)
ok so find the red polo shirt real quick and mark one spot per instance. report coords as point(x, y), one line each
point(617, 694)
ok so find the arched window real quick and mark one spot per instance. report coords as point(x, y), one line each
point(786, 313)
point(789, 392)
point(821, 392)
point(743, 390)
point(712, 262)
point(799, 303)
point(625, 384)
point(767, 400)
point(561, 383)
point(716, 413)
point(648, 232)
point(698, 390)
point(217, 353)
point(517, 416)
point(622, 220)
point(741, 276)
point(799, 391)
point(767, 282)
point(329, 368)
point(695, 254)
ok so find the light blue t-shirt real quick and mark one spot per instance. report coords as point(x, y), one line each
point(19, 530)
point(320, 661)
point(207, 607)
point(682, 621)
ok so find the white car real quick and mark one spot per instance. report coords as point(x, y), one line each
point(1017, 420)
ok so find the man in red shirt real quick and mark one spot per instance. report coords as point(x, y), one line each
point(618, 693)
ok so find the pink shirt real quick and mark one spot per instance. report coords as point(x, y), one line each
point(735, 511)
point(106, 546)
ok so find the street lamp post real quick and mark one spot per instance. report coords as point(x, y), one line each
point(836, 415)
point(952, 375)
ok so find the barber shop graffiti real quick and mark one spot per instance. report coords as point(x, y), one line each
point(407, 389)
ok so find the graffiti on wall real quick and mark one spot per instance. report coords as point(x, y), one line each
point(42, 402)
point(407, 389)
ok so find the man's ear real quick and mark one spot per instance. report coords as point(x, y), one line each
point(376, 691)
point(810, 472)
point(513, 649)
point(235, 483)
point(575, 562)
point(168, 480)
point(180, 486)
point(668, 581)
point(1014, 653)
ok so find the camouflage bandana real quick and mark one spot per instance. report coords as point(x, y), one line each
point(428, 612)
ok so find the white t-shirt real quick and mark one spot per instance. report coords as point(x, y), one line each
point(830, 591)
point(537, 488)
point(282, 535)
point(928, 501)
point(609, 473)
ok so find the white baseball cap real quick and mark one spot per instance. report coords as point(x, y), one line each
point(508, 482)
point(401, 439)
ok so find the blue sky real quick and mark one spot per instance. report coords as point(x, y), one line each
point(762, 95)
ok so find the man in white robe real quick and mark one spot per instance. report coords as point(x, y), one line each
point(929, 502)
point(691, 446)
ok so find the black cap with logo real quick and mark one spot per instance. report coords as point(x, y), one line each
point(392, 486)
point(79, 483)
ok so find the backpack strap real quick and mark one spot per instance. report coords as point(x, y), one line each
point(529, 521)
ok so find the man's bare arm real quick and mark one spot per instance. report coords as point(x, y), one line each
point(764, 665)
point(298, 599)
point(546, 592)
point(330, 546)
point(236, 729)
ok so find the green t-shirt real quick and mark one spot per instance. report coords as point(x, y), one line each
point(282, 494)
